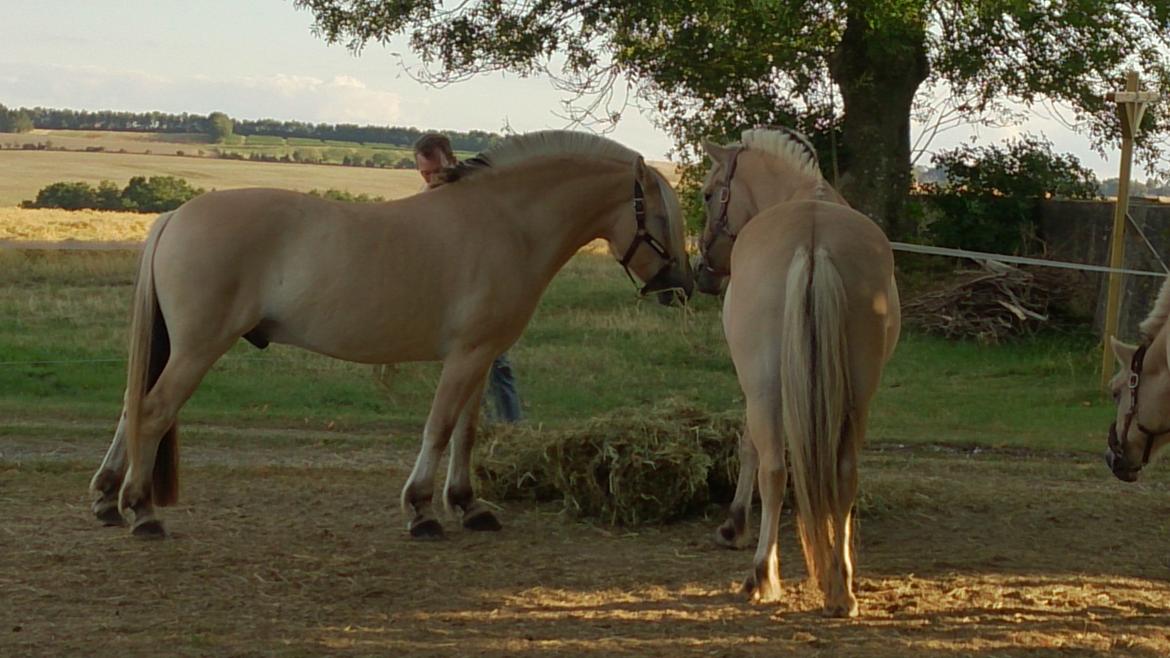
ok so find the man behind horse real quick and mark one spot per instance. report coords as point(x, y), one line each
point(433, 154)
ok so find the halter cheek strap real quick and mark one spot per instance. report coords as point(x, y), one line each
point(1135, 378)
point(642, 236)
point(722, 226)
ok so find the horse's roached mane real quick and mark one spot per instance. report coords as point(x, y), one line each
point(1156, 320)
point(786, 144)
point(522, 148)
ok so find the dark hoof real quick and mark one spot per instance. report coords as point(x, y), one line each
point(727, 536)
point(748, 588)
point(429, 529)
point(108, 514)
point(150, 530)
point(482, 521)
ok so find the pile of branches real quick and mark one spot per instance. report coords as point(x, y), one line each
point(988, 305)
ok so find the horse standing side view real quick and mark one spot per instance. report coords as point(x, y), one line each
point(1141, 391)
point(453, 275)
point(811, 315)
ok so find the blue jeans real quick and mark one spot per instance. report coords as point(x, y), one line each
point(501, 396)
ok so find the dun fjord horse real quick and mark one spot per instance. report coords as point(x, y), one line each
point(811, 316)
point(1142, 394)
point(452, 275)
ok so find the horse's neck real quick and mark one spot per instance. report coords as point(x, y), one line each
point(566, 205)
point(772, 183)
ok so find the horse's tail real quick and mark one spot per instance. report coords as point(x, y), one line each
point(814, 395)
point(150, 348)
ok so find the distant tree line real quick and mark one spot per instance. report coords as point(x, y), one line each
point(15, 121)
point(219, 126)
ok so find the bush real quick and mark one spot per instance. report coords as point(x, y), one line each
point(990, 199)
point(68, 196)
point(156, 194)
point(347, 196)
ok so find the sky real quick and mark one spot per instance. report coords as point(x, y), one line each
point(257, 59)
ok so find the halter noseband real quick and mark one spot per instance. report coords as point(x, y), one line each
point(1135, 378)
point(642, 236)
point(721, 226)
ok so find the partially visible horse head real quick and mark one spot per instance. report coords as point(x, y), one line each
point(656, 248)
point(768, 166)
point(1141, 391)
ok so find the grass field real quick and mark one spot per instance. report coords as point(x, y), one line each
point(26, 172)
point(72, 306)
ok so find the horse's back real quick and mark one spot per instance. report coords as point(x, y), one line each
point(760, 266)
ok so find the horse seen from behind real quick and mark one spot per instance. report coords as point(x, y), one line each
point(811, 315)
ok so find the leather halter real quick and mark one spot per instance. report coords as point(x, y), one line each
point(721, 225)
point(642, 236)
point(1135, 378)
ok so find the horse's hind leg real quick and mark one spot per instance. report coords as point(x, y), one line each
point(108, 478)
point(763, 417)
point(840, 601)
point(461, 376)
point(459, 493)
point(160, 409)
point(733, 533)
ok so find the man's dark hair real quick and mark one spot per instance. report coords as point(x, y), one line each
point(431, 144)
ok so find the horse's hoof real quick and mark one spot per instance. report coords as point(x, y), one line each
point(429, 529)
point(152, 529)
point(842, 610)
point(483, 521)
point(107, 512)
point(748, 588)
point(726, 536)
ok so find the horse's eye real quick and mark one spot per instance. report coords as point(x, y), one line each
point(706, 196)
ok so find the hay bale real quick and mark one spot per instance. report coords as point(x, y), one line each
point(628, 467)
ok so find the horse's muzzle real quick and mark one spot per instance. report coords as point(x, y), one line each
point(671, 284)
point(1121, 468)
point(707, 280)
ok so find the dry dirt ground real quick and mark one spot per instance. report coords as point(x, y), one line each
point(291, 543)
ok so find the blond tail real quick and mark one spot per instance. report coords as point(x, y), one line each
point(814, 394)
point(150, 347)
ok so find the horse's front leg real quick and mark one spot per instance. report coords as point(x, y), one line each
point(734, 531)
point(460, 493)
point(462, 375)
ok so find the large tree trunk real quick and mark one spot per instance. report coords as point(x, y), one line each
point(878, 70)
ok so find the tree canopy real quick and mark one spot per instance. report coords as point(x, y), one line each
point(849, 70)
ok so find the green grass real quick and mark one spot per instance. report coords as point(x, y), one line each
point(591, 347)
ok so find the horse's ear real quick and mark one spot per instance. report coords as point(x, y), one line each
point(1123, 352)
point(717, 152)
point(640, 168)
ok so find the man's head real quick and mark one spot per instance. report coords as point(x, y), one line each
point(432, 153)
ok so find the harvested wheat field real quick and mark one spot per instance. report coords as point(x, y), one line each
point(291, 543)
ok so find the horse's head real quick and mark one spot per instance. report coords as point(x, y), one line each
point(727, 203)
point(656, 249)
point(1140, 390)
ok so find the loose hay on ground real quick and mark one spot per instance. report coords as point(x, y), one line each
point(628, 467)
